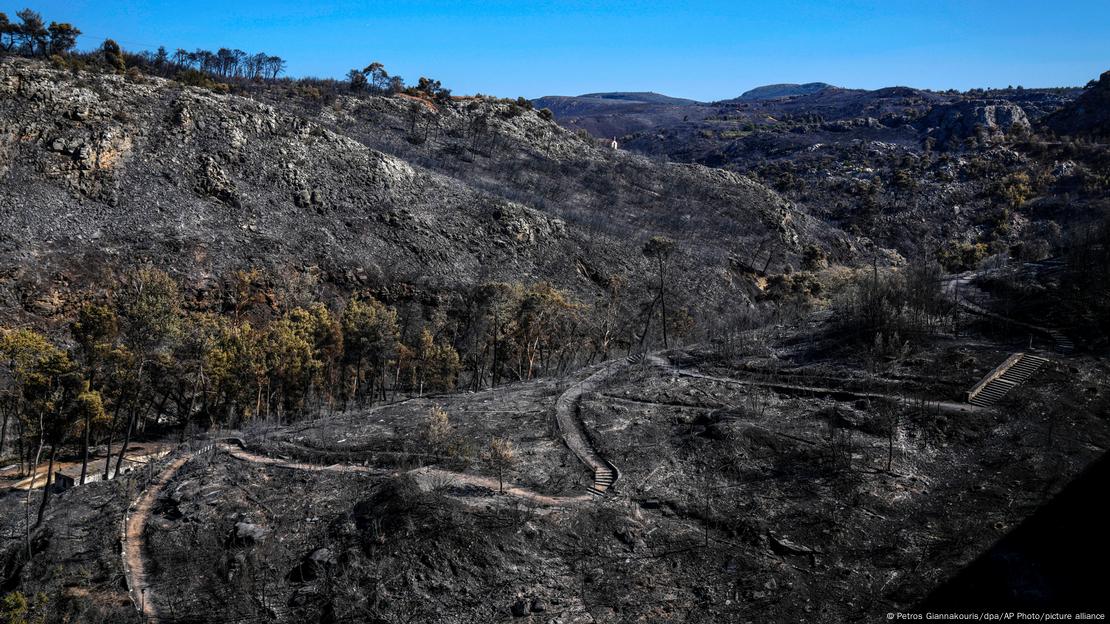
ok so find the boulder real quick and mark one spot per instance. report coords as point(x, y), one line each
point(323, 557)
point(310, 568)
point(519, 608)
point(246, 533)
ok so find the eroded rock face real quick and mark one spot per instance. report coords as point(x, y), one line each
point(130, 172)
point(102, 173)
point(982, 119)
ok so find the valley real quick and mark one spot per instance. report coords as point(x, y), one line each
point(279, 349)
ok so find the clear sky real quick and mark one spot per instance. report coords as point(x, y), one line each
point(704, 50)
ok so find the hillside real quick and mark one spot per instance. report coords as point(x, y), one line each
point(285, 350)
point(745, 491)
point(103, 172)
point(944, 158)
point(782, 90)
point(638, 97)
point(618, 114)
point(1088, 116)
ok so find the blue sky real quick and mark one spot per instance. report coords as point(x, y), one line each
point(703, 50)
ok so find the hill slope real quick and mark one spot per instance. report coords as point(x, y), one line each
point(772, 91)
point(640, 97)
point(618, 114)
point(102, 173)
point(1088, 115)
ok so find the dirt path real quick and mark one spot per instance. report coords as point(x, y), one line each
point(566, 414)
point(944, 407)
point(435, 476)
point(427, 478)
point(142, 594)
point(134, 567)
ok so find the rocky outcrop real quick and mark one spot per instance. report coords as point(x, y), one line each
point(984, 120)
point(1087, 116)
point(848, 125)
point(101, 173)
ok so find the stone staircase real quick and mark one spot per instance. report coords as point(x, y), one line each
point(1016, 370)
point(603, 480)
point(1062, 343)
point(574, 434)
point(977, 302)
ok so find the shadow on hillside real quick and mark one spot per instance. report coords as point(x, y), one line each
point(1056, 560)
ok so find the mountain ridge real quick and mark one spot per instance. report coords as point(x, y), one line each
point(784, 89)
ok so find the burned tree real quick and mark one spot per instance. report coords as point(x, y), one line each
point(659, 249)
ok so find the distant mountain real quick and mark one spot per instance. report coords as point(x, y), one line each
point(589, 103)
point(640, 97)
point(616, 114)
point(774, 91)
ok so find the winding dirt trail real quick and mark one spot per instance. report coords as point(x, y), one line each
point(566, 413)
point(428, 478)
point(944, 407)
point(134, 566)
point(142, 593)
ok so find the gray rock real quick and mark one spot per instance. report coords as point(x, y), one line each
point(156, 177)
point(323, 556)
point(519, 608)
point(248, 533)
point(984, 119)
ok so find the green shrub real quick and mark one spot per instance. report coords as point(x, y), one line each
point(16, 609)
point(195, 78)
point(113, 55)
point(1015, 189)
point(957, 257)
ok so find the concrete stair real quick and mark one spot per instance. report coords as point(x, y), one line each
point(574, 433)
point(1016, 371)
point(603, 480)
point(1062, 343)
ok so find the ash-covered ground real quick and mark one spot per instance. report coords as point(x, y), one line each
point(782, 479)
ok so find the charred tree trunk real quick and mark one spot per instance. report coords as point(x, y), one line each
point(31, 487)
point(46, 487)
point(663, 303)
point(85, 448)
point(126, 437)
